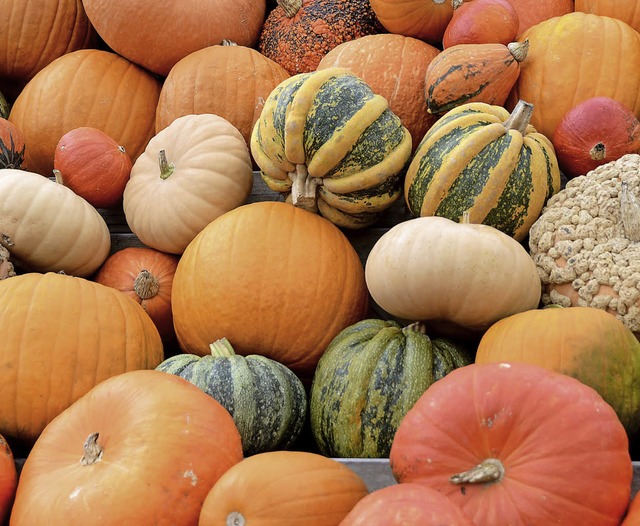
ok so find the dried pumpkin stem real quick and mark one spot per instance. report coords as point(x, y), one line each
point(6, 267)
point(221, 348)
point(146, 285)
point(629, 213)
point(303, 189)
point(166, 168)
point(92, 450)
point(519, 50)
point(520, 117)
point(290, 7)
point(456, 4)
point(416, 326)
point(235, 518)
point(598, 152)
point(489, 470)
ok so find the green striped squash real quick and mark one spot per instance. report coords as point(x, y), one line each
point(333, 146)
point(479, 158)
point(368, 378)
point(267, 401)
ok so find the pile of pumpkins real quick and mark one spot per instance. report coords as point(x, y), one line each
point(215, 373)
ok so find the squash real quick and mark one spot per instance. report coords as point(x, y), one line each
point(273, 279)
point(441, 272)
point(8, 479)
point(481, 22)
point(480, 159)
point(333, 146)
point(47, 227)
point(369, 376)
point(191, 172)
point(267, 401)
point(283, 487)
point(62, 335)
point(517, 444)
point(626, 10)
point(93, 165)
point(64, 95)
point(12, 146)
point(142, 447)
point(532, 12)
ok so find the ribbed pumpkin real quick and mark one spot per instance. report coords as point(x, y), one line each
point(333, 145)
point(394, 66)
point(480, 159)
point(368, 378)
point(481, 22)
point(267, 401)
point(273, 279)
point(473, 73)
point(88, 87)
point(626, 10)
point(61, 336)
point(12, 146)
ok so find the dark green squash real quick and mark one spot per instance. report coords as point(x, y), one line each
point(267, 401)
point(368, 378)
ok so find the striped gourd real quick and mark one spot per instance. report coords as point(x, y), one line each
point(333, 146)
point(267, 401)
point(368, 378)
point(481, 159)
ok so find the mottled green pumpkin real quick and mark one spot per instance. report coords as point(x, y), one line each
point(267, 401)
point(368, 378)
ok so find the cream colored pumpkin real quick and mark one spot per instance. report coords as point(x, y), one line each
point(46, 227)
point(207, 172)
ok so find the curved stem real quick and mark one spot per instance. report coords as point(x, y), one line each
point(166, 168)
point(221, 348)
point(489, 470)
point(520, 117)
point(303, 189)
point(290, 7)
point(92, 450)
point(598, 152)
point(146, 285)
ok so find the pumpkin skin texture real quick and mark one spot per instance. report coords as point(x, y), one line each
point(283, 487)
point(442, 272)
point(532, 12)
point(153, 35)
point(77, 332)
point(480, 159)
point(164, 443)
point(302, 283)
point(194, 170)
point(8, 479)
point(47, 227)
point(12, 146)
point(626, 10)
point(481, 22)
point(267, 401)
point(64, 95)
point(370, 375)
point(526, 431)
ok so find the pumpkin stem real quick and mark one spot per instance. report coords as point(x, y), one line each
point(629, 213)
point(489, 470)
point(456, 4)
point(290, 7)
point(92, 450)
point(303, 190)
point(146, 285)
point(57, 174)
point(166, 168)
point(598, 152)
point(416, 326)
point(520, 117)
point(221, 348)
point(519, 50)
point(235, 518)
point(6, 267)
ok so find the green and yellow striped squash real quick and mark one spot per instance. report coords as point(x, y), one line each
point(370, 375)
point(479, 158)
point(333, 146)
point(267, 401)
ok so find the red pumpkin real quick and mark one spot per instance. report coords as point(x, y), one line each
point(8, 479)
point(93, 165)
point(481, 22)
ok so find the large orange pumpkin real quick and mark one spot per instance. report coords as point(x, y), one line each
point(274, 280)
point(88, 87)
point(626, 10)
point(142, 448)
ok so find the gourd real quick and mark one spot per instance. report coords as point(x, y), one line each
point(333, 146)
point(46, 227)
point(12, 145)
point(481, 22)
point(480, 159)
point(142, 447)
point(508, 443)
point(369, 376)
point(267, 401)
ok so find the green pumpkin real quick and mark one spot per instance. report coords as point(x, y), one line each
point(371, 374)
point(267, 401)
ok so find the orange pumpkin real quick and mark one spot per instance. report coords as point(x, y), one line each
point(283, 487)
point(8, 479)
point(626, 10)
point(274, 280)
point(12, 145)
point(88, 87)
point(532, 12)
point(143, 448)
point(481, 22)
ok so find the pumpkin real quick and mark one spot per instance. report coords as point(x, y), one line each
point(142, 447)
point(370, 375)
point(298, 33)
point(574, 44)
point(8, 479)
point(273, 279)
point(584, 342)
point(595, 132)
point(405, 504)
point(532, 12)
point(481, 22)
point(64, 95)
point(283, 487)
point(267, 401)
point(12, 145)
point(517, 444)
point(480, 159)
point(626, 10)
point(146, 275)
point(394, 66)
point(62, 335)
point(47, 227)
point(93, 165)
point(467, 73)
point(191, 172)
point(439, 271)
point(156, 35)
point(333, 146)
